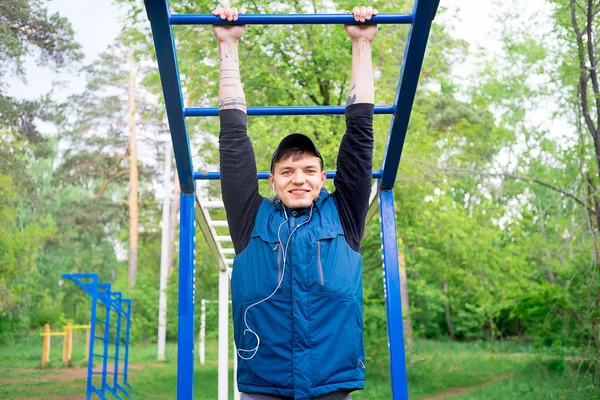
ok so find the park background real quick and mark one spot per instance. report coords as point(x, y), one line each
point(497, 199)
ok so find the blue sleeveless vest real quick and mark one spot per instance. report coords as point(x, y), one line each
point(311, 340)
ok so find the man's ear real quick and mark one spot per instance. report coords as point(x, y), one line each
point(323, 178)
point(272, 181)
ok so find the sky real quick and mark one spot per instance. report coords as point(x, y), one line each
point(97, 26)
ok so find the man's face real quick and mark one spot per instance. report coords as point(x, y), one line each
point(297, 183)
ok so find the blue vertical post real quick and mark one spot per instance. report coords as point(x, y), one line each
point(185, 339)
point(94, 296)
point(126, 357)
point(107, 304)
point(119, 311)
point(393, 298)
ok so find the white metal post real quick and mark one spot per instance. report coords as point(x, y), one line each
point(164, 258)
point(236, 392)
point(223, 392)
point(202, 347)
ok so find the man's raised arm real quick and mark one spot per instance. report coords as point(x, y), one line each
point(239, 182)
point(355, 158)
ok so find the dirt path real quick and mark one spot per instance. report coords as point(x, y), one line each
point(65, 375)
point(460, 391)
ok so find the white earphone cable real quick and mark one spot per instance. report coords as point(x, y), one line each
point(254, 350)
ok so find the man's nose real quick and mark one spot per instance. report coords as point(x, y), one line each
point(298, 178)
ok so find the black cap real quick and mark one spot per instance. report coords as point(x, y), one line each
point(297, 140)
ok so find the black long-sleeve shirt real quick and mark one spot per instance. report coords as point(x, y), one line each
point(239, 183)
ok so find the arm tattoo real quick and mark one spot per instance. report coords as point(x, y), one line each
point(351, 96)
point(235, 102)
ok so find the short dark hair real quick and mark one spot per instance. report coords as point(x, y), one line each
point(295, 152)
point(297, 145)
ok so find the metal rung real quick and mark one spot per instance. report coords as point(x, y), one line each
point(212, 204)
point(261, 175)
point(223, 238)
point(284, 110)
point(223, 224)
point(288, 19)
point(229, 261)
point(104, 322)
point(227, 251)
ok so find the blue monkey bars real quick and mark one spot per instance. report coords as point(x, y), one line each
point(113, 337)
point(210, 176)
point(287, 19)
point(298, 110)
point(161, 22)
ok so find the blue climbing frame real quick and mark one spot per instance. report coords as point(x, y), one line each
point(114, 337)
point(420, 24)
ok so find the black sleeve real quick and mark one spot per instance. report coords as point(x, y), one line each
point(354, 172)
point(239, 181)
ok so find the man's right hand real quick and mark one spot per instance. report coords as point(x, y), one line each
point(228, 32)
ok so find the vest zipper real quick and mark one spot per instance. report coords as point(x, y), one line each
point(321, 278)
point(278, 262)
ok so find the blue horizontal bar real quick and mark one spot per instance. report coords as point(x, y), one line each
point(285, 110)
point(288, 19)
point(261, 175)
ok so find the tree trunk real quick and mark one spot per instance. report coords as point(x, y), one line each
point(406, 320)
point(133, 181)
point(447, 307)
point(164, 254)
point(173, 222)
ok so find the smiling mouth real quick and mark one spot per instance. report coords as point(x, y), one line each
point(299, 192)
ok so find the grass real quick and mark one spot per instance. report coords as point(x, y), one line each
point(433, 368)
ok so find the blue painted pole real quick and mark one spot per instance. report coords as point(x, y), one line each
point(284, 110)
point(185, 339)
point(127, 329)
point(107, 306)
point(288, 19)
point(164, 44)
point(261, 175)
point(414, 52)
point(88, 394)
point(118, 301)
point(393, 299)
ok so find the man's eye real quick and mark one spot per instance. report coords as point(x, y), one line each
point(311, 171)
point(285, 173)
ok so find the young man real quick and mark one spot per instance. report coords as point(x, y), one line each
point(297, 275)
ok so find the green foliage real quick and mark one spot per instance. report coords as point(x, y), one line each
point(493, 210)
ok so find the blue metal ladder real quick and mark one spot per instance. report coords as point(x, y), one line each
point(114, 306)
point(161, 22)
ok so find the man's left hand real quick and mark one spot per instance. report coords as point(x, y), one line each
point(366, 32)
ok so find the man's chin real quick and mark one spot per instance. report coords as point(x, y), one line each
point(297, 203)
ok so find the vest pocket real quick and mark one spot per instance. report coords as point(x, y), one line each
point(335, 332)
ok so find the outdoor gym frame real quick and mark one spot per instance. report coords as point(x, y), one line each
point(161, 22)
